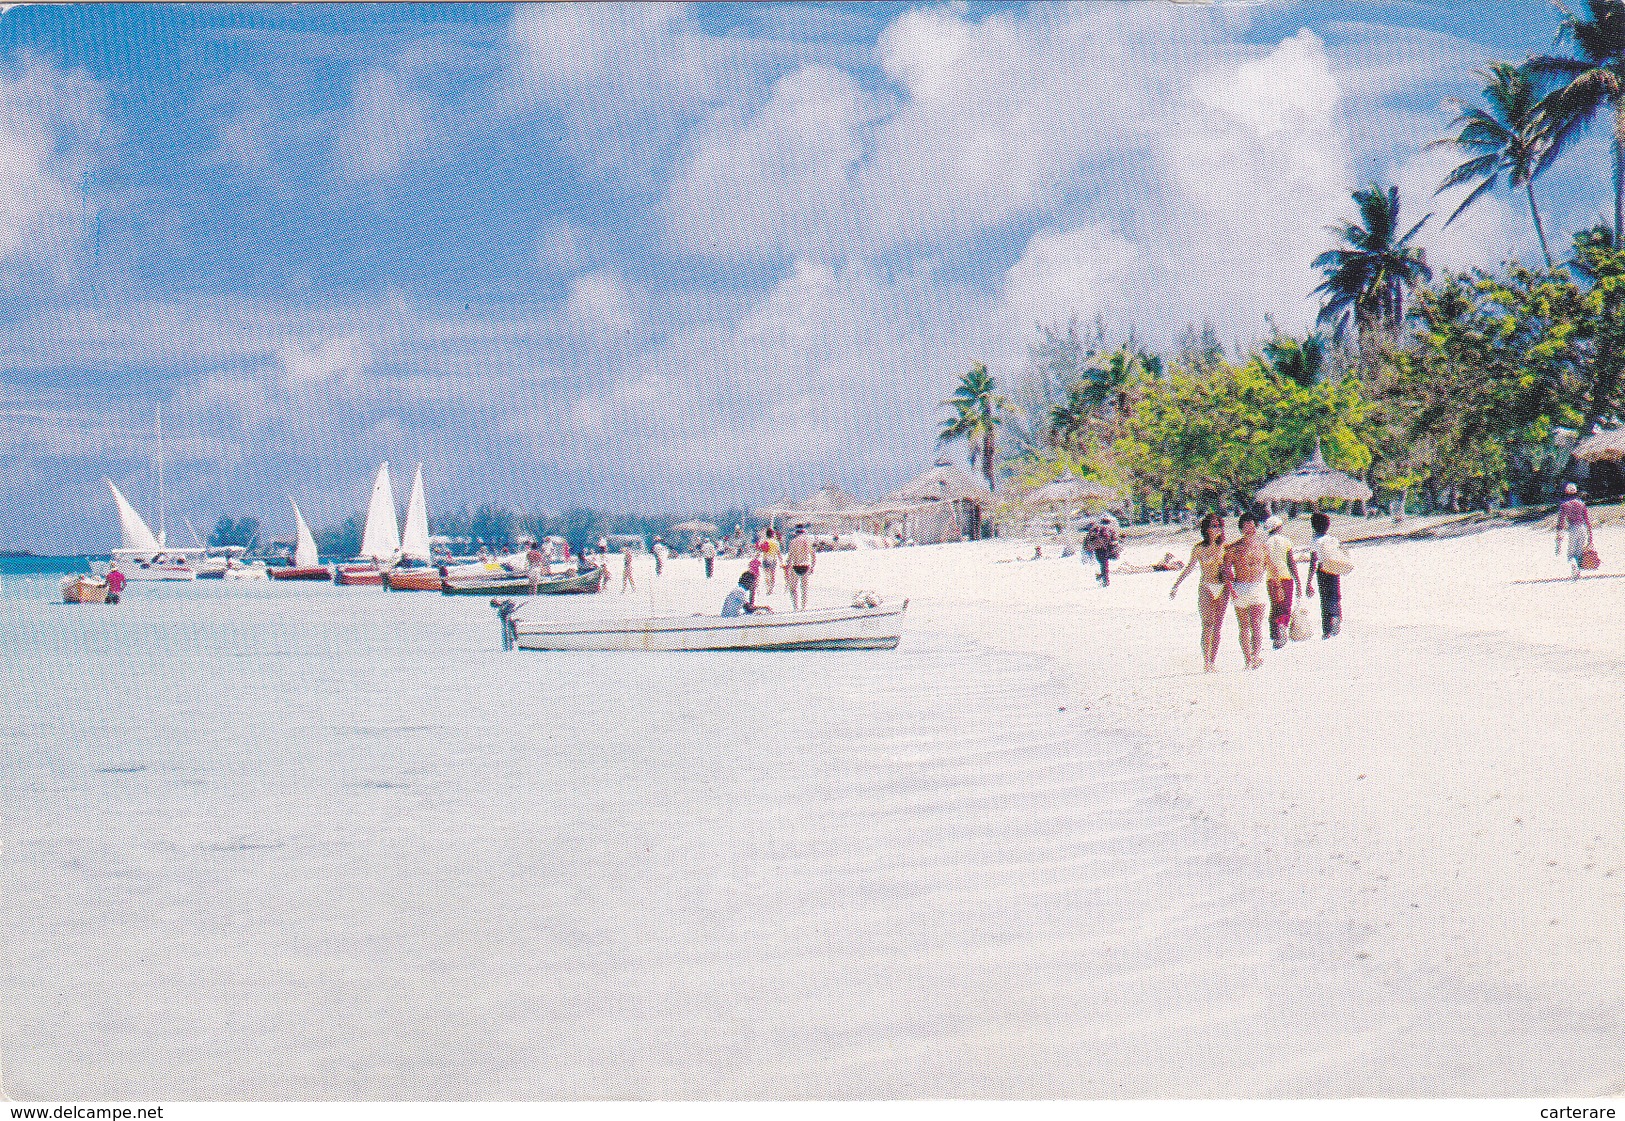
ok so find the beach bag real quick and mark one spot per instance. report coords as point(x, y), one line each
point(1337, 562)
point(1301, 627)
point(1589, 560)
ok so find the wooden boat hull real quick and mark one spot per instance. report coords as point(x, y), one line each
point(574, 583)
point(84, 589)
point(314, 572)
point(838, 628)
point(358, 577)
point(413, 580)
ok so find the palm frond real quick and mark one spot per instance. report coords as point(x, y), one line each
point(1487, 185)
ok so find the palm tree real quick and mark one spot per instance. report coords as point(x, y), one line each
point(977, 410)
point(1593, 83)
point(1101, 393)
point(1509, 136)
point(1367, 276)
point(1297, 361)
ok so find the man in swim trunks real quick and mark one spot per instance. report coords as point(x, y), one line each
point(1245, 563)
point(801, 560)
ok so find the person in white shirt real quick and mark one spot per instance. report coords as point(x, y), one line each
point(1329, 584)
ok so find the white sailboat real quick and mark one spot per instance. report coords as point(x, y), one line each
point(306, 564)
point(415, 541)
point(142, 554)
point(380, 536)
point(411, 571)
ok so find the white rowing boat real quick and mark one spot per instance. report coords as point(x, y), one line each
point(827, 628)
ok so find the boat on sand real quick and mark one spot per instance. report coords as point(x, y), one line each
point(501, 581)
point(826, 628)
point(83, 589)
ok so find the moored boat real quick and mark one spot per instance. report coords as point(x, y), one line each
point(828, 628)
point(306, 564)
point(504, 582)
point(380, 538)
point(244, 573)
point(142, 554)
point(83, 589)
point(411, 572)
point(413, 580)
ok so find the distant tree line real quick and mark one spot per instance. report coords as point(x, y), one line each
point(495, 526)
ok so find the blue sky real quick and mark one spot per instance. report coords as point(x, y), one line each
point(659, 258)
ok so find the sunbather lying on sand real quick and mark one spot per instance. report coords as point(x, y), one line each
point(1168, 563)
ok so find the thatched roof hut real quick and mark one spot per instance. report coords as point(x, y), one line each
point(1603, 447)
point(943, 483)
point(1314, 480)
point(1070, 490)
point(694, 527)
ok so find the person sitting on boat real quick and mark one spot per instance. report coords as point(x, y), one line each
point(742, 600)
point(536, 566)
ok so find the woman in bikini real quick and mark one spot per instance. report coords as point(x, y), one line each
point(1212, 594)
point(1244, 565)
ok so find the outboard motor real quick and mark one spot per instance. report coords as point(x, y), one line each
point(504, 609)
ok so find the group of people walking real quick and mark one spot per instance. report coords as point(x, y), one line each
point(1260, 575)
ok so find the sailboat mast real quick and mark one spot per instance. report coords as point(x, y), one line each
point(158, 425)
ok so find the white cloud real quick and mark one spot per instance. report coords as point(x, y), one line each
point(780, 180)
point(387, 125)
point(1485, 234)
point(47, 121)
point(1084, 272)
point(317, 362)
point(599, 301)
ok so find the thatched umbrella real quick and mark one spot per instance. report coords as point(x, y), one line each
point(1070, 490)
point(1604, 447)
point(694, 527)
point(1313, 480)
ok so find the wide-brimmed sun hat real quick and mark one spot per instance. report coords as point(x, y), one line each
point(1571, 489)
point(1273, 523)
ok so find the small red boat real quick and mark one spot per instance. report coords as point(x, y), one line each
point(413, 580)
point(358, 576)
point(296, 572)
point(304, 566)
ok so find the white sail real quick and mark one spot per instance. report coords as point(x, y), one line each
point(415, 541)
point(136, 534)
point(304, 548)
point(381, 536)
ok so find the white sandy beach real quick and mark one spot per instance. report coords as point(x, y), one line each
point(1445, 777)
point(339, 846)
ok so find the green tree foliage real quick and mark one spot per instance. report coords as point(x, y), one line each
point(341, 542)
point(1509, 136)
point(1301, 361)
point(1368, 275)
point(1497, 365)
point(977, 409)
point(1592, 86)
point(243, 531)
point(1216, 436)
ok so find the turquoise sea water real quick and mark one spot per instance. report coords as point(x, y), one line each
point(41, 566)
point(273, 841)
